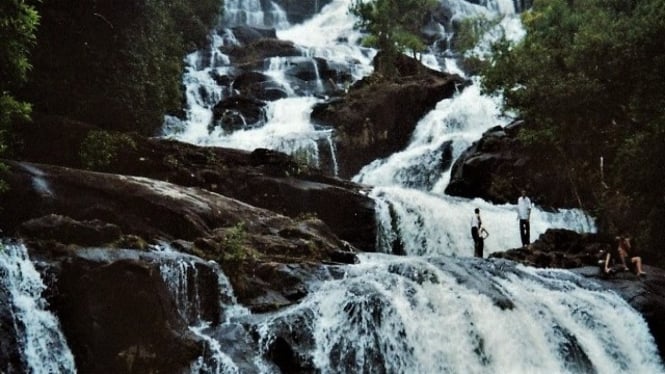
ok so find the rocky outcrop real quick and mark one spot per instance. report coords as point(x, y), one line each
point(377, 116)
point(580, 253)
point(492, 168)
point(54, 208)
point(560, 248)
point(111, 329)
point(300, 10)
point(148, 208)
point(266, 179)
point(498, 166)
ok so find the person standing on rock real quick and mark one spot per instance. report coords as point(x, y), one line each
point(523, 214)
point(476, 234)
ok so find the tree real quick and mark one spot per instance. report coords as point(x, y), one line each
point(18, 24)
point(116, 65)
point(393, 27)
point(589, 78)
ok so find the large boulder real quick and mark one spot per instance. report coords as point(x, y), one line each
point(55, 209)
point(119, 317)
point(492, 168)
point(238, 113)
point(378, 115)
point(498, 166)
point(39, 194)
point(560, 248)
point(263, 178)
point(256, 52)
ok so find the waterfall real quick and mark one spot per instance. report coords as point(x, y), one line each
point(434, 309)
point(409, 183)
point(38, 334)
point(410, 187)
point(443, 315)
point(252, 13)
point(183, 276)
point(287, 127)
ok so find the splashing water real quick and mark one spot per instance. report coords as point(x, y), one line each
point(441, 315)
point(43, 344)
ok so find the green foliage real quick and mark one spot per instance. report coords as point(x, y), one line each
point(469, 31)
point(18, 24)
point(393, 26)
point(116, 65)
point(100, 148)
point(234, 243)
point(589, 77)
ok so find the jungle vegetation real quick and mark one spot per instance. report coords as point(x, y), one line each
point(589, 79)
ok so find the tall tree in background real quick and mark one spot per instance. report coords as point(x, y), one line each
point(18, 24)
point(393, 27)
point(589, 78)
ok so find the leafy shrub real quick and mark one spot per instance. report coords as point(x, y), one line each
point(100, 148)
point(234, 243)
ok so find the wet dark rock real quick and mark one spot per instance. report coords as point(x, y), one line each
point(293, 342)
point(258, 86)
point(263, 178)
point(248, 34)
point(66, 230)
point(237, 113)
point(111, 329)
point(490, 169)
point(561, 248)
point(255, 53)
point(300, 10)
point(498, 166)
point(377, 116)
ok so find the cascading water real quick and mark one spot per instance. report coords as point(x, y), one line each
point(412, 208)
point(182, 275)
point(38, 334)
point(446, 315)
point(409, 187)
point(427, 312)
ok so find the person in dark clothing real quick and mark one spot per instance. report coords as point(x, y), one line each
point(616, 258)
point(478, 233)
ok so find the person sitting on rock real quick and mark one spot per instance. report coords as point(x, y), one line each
point(626, 251)
point(610, 261)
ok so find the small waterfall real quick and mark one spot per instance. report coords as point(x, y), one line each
point(252, 13)
point(318, 82)
point(41, 340)
point(185, 278)
point(276, 70)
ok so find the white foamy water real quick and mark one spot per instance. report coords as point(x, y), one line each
point(435, 310)
point(440, 315)
point(41, 340)
point(182, 275)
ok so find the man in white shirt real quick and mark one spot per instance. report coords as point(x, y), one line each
point(523, 214)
